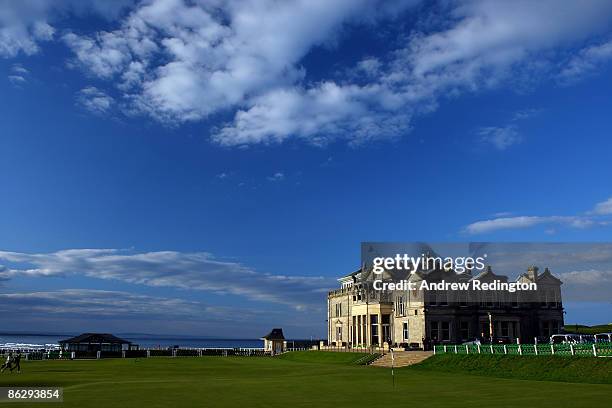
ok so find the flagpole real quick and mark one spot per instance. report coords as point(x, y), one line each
point(392, 367)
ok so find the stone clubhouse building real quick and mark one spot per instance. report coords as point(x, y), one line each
point(360, 316)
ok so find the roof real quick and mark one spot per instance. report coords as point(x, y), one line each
point(95, 338)
point(488, 273)
point(351, 276)
point(275, 334)
point(542, 277)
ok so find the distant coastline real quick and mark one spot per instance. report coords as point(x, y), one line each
point(40, 340)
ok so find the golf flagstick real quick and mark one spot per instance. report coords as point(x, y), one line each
point(392, 367)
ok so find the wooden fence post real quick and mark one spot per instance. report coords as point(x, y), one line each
point(572, 350)
point(467, 349)
point(594, 350)
point(478, 348)
point(505, 349)
point(552, 349)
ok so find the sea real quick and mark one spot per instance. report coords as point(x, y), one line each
point(40, 341)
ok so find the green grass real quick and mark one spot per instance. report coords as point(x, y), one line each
point(311, 379)
point(323, 357)
point(540, 368)
point(581, 329)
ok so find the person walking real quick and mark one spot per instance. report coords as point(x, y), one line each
point(16, 363)
point(8, 362)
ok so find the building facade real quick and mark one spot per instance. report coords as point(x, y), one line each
point(360, 316)
point(274, 342)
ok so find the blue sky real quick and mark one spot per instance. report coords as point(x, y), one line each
point(199, 161)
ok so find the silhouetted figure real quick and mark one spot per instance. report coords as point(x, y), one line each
point(8, 362)
point(17, 363)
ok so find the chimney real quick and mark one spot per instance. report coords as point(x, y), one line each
point(532, 273)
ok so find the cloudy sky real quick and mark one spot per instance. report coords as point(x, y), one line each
point(215, 164)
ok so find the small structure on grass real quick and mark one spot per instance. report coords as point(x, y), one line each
point(94, 342)
point(274, 342)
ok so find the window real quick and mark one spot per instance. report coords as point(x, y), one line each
point(542, 296)
point(463, 298)
point(338, 333)
point(545, 328)
point(552, 299)
point(443, 298)
point(433, 297)
point(514, 298)
point(464, 328)
point(489, 299)
point(386, 328)
point(405, 331)
point(374, 328)
point(400, 306)
point(445, 331)
point(505, 332)
point(434, 331)
point(338, 309)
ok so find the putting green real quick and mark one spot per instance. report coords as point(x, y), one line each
point(310, 379)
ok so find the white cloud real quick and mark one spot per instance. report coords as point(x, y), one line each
point(192, 271)
point(24, 24)
point(318, 114)
point(520, 222)
point(183, 62)
point(591, 218)
point(500, 137)
point(603, 208)
point(110, 310)
point(490, 36)
point(22, 28)
point(590, 285)
point(180, 61)
point(485, 226)
point(16, 79)
point(18, 75)
point(369, 66)
point(98, 303)
point(94, 100)
point(525, 114)
point(232, 57)
point(587, 61)
point(19, 69)
point(278, 176)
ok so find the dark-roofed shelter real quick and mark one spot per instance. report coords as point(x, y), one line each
point(93, 342)
point(274, 342)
